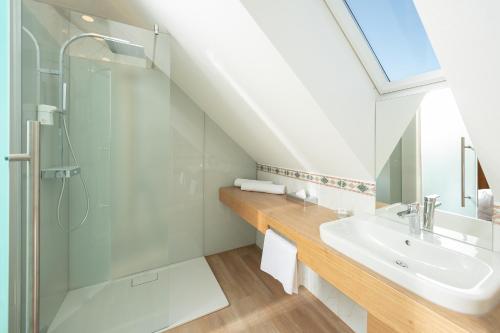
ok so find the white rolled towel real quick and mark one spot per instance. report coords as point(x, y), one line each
point(239, 181)
point(263, 187)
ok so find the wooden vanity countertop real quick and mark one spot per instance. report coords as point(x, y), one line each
point(387, 303)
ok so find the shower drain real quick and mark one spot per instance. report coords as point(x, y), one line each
point(401, 263)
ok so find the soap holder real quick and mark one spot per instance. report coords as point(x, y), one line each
point(343, 213)
point(60, 172)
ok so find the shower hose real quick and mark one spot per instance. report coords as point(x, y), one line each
point(63, 186)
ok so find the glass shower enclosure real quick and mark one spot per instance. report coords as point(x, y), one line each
point(121, 198)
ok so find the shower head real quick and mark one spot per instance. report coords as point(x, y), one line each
point(124, 47)
point(116, 45)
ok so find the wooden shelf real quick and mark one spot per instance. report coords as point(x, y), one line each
point(386, 302)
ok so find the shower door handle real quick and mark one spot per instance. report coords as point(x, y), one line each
point(462, 171)
point(32, 156)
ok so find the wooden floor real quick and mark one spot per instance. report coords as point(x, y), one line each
point(258, 302)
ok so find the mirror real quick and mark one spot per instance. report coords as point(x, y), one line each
point(423, 150)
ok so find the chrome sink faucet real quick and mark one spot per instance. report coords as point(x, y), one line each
point(412, 208)
point(430, 204)
point(413, 214)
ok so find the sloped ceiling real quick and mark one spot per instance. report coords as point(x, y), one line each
point(309, 39)
point(465, 36)
point(279, 77)
point(224, 109)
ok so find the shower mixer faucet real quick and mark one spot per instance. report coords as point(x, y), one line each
point(430, 204)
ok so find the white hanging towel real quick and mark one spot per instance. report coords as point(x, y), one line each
point(279, 258)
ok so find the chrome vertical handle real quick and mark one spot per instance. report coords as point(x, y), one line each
point(462, 171)
point(32, 156)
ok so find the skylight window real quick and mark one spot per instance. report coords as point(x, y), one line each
point(396, 36)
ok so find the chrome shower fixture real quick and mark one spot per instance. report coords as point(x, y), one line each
point(115, 45)
point(125, 48)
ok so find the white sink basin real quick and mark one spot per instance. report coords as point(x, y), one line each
point(452, 274)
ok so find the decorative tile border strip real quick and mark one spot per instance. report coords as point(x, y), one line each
point(330, 181)
point(496, 213)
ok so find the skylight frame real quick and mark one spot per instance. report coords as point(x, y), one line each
point(369, 60)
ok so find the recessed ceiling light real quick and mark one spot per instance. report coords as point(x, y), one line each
point(87, 18)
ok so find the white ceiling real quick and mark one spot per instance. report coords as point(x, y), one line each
point(127, 11)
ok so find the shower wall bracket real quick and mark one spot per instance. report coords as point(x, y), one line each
point(60, 172)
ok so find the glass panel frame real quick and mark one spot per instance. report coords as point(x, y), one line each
point(5, 43)
point(395, 33)
point(371, 64)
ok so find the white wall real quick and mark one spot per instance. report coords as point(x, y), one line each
point(224, 161)
point(393, 117)
point(464, 35)
point(390, 178)
point(411, 187)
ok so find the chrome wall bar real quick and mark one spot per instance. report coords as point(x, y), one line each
point(32, 156)
point(462, 171)
point(34, 151)
point(19, 158)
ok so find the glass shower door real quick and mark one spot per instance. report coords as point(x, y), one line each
point(449, 163)
point(39, 45)
point(111, 267)
point(117, 113)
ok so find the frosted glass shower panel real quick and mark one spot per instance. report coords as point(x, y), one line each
point(90, 128)
point(140, 165)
